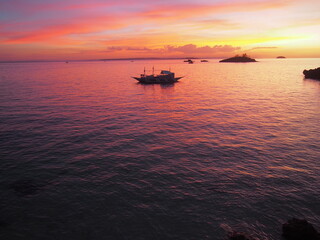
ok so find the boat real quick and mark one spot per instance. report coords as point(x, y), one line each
point(204, 60)
point(164, 76)
point(189, 61)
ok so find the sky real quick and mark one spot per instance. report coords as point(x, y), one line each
point(105, 29)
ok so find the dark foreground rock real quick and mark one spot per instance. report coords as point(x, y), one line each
point(312, 73)
point(243, 58)
point(299, 229)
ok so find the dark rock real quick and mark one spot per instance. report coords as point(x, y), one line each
point(299, 229)
point(243, 58)
point(281, 57)
point(240, 236)
point(25, 187)
point(3, 224)
point(312, 73)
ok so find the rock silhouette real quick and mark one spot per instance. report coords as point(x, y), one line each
point(299, 229)
point(312, 73)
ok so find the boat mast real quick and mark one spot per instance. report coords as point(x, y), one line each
point(144, 71)
point(153, 70)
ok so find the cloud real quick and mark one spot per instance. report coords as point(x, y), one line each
point(259, 48)
point(133, 49)
point(220, 24)
point(36, 6)
point(188, 49)
point(62, 31)
point(43, 21)
point(156, 27)
point(193, 49)
point(179, 11)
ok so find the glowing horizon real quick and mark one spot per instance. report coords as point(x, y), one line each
point(100, 29)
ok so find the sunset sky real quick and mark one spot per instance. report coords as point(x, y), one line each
point(95, 29)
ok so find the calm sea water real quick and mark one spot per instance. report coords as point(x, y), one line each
point(87, 153)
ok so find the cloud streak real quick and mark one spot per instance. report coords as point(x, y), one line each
point(176, 12)
point(188, 49)
point(260, 48)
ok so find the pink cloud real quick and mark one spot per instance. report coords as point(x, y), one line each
point(58, 31)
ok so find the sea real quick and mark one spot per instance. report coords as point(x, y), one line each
point(86, 152)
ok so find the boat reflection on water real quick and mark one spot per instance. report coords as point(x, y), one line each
point(162, 85)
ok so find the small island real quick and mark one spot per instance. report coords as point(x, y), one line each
point(237, 58)
point(312, 73)
point(281, 57)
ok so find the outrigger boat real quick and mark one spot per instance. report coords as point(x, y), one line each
point(165, 76)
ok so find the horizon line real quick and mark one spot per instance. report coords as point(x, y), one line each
point(126, 59)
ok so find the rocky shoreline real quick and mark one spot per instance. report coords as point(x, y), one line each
point(312, 73)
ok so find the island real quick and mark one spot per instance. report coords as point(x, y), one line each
point(312, 73)
point(237, 58)
point(281, 57)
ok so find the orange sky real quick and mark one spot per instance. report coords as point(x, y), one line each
point(69, 29)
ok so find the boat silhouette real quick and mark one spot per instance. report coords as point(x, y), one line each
point(164, 76)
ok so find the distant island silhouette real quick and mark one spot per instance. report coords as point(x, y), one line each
point(237, 58)
point(281, 57)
